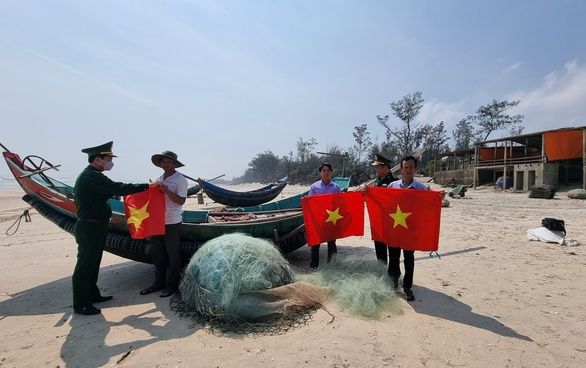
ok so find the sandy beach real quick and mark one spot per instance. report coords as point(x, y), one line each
point(494, 299)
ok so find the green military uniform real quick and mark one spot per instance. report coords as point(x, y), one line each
point(380, 247)
point(381, 160)
point(383, 182)
point(92, 191)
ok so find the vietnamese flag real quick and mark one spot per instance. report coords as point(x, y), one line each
point(145, 213)
point(405, 218)
point(332, 216)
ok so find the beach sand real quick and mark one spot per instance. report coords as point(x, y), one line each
point(494, 299)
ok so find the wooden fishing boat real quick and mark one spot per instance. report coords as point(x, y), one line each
point(54, 200)
point(240, 199)
point(290, 202)
point(191, 191)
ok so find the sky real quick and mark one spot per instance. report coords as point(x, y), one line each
point(218, 82)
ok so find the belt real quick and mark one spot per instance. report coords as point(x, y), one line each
point(91, 221)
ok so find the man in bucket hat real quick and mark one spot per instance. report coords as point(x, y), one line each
point(166, 249)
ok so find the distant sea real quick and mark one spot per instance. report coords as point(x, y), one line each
point(11, 183)
point(8, 183)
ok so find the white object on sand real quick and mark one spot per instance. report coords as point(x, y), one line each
point(545, 235)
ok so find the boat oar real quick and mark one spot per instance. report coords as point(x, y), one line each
point(190, 178)
point(217, 177)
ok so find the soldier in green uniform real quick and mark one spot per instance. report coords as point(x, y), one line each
point(384, 177)
point(92, 191)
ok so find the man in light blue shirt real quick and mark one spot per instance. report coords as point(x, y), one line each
point(323, 186)
point(408, 168)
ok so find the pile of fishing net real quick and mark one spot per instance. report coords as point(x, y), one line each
point(236, 281)
point(243, 284)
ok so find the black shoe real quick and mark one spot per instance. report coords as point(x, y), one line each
point(150, 289)
point(89, 310)
point(102, 298)
point(409, 295)
point(167, 292)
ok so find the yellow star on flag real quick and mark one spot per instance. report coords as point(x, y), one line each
point(138, 215)
point(334, 216)
point(400, 218)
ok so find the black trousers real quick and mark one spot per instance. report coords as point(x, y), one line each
point(90, 238)
point(332, 249)
point(395, 267)
point(381, 251)
point(166, 255)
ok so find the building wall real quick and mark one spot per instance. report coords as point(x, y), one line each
point(526, 175)
point(458, 177)
point(551, 173)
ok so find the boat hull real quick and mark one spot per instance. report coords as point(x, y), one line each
point(54, 200)
point(241, 199)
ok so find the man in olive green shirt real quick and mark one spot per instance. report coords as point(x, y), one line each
point(92, 191)
point(384, 177)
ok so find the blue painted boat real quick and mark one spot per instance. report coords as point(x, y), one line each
point(290, 202)
point(233, 198)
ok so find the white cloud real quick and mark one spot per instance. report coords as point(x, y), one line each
point(560, 101)
point(433, 112)
point(511, 68)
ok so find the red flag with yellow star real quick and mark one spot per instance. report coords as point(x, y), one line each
point(332, 216)
point(145, 213)
point(405, 218)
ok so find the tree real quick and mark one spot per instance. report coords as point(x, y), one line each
point(362, 139)
point(463, 134)
point(517, 130)
point(410, 135)
point(305, 148)
point(264, 168)
point(492, 117)
point(435, 141)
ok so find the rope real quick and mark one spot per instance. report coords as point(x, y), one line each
point(27, 218)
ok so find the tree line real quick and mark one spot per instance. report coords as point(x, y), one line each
point(404, 135)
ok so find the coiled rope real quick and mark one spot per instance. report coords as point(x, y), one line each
point(27, 218)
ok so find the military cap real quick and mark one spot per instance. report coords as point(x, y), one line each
point(381, 160)
point(104, 149)
point(156, 158)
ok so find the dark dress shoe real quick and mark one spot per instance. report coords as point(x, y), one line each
point(89, 310)
point(150, 289)
point(409, 295)
point(102, 298)
point(167, 292)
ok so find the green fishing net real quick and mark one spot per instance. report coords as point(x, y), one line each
point(235, 280)
point(361, 286)
point(242, 284)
